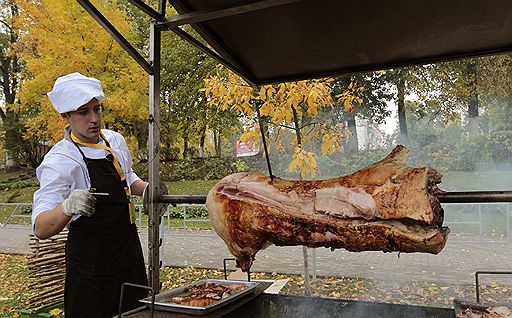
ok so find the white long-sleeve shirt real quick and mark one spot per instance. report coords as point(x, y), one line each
point(63, 170)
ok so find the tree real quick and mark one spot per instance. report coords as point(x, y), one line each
point(9, 63)
point(452, 88)
point(58, 37)
point(495, 91)
point(473, 102)
point(372, 93)
point(184, 112)
point(293, 106)
point(18, 151)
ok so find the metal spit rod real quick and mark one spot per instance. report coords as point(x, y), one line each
point(445, 197)
point(475, 197)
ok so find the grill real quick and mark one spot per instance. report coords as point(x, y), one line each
point(269, 305)
point(261, 305)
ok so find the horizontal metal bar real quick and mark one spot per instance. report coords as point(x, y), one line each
point(147, 9)
point(220, 12)
point(454, 222)
point(447, 197)
point(475, 196)
point(181, 199)
point(105, 24)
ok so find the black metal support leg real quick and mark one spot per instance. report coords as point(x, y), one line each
point(224, 261)
point(151, 291)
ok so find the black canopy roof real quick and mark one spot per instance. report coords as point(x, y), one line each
point(281, 40)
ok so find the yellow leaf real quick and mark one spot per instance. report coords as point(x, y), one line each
point(262, 94)
point(304, 163)
point(55, 311)
point(347, 104)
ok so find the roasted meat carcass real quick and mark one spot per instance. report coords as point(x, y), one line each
point(387, 206)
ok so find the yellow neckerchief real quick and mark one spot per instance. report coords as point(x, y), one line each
point(116, 161)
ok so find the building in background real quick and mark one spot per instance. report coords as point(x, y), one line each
point(369, 134)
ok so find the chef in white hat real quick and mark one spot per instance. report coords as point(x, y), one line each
point(86, 180)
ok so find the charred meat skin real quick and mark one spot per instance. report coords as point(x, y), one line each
point(387, 206)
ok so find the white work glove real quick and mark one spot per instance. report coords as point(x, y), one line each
point(79, 202)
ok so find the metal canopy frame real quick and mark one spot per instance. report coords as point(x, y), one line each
point(497, 24)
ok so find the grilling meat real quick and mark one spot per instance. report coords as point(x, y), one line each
point(206, 294)
point(387, 206)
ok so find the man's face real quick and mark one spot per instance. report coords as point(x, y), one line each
point(86, 121)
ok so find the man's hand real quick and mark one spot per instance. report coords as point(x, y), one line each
point(79, 202)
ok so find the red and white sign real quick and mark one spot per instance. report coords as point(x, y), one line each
point(247, 149)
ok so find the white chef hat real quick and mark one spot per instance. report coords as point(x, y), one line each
point(74, 90)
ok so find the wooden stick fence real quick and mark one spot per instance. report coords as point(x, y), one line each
point(47, 271)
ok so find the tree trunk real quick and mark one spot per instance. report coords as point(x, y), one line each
point(201, 143)
point(186, 141)
point(216, 143)
point(473, 119)
point(351, 144)
point(297, 127)
point(402, 119)
point(10, 67)
point(141, 133)
point(185, 147)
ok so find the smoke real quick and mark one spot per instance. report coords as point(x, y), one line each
point(302, 306)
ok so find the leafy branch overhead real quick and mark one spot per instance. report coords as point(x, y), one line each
point(297, 107)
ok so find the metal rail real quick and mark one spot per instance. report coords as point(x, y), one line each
point(475, 197)
point(183, 199)
point(477, 283)
point(13, 213)
point(445, 197)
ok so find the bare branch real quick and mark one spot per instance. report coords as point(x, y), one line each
point(6, 24)
point(308, 124)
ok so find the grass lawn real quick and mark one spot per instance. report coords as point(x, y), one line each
point(191, 187)
point(477, 181)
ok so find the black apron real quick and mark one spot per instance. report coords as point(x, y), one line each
point(103, 251)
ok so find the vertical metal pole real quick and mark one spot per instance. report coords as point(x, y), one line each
point(477, 286)
point(162, 239)
point(168, 218)
point(509, 234)
point(185, 217)
point(154, 219)
point(313, 263)
point(480, 221)
point(262, 131)
point(139, 208)
point(307, 283)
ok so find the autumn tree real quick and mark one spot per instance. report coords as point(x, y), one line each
point(495, 94)
point(59, 37)
point(372, 93)
point(452, 88)
point(10, 67)
point(185, 117)
point(293, 106)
